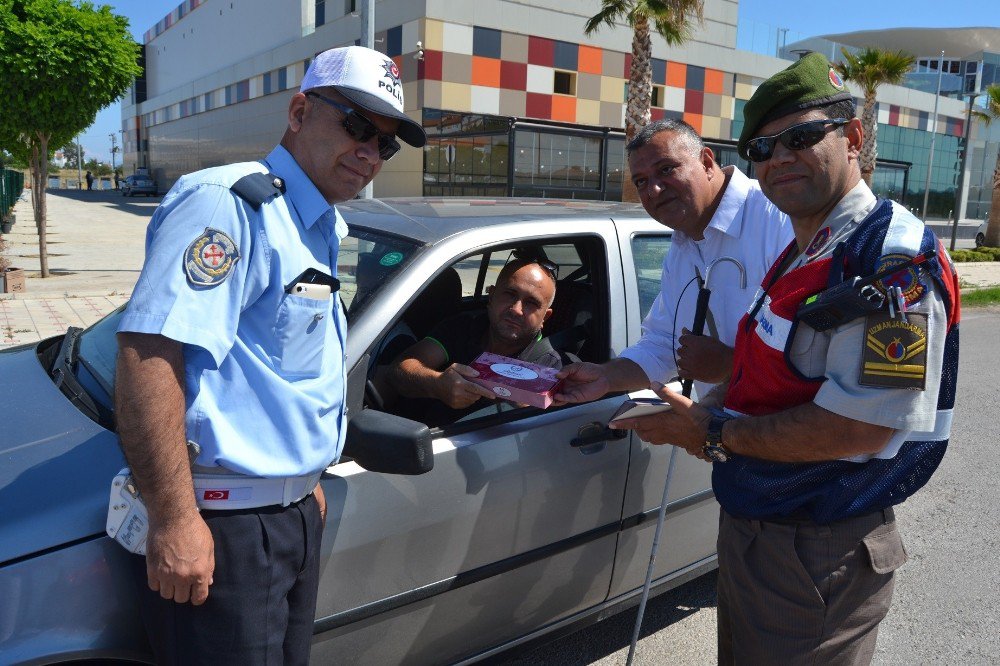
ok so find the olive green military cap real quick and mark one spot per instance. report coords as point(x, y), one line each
point(810, 82)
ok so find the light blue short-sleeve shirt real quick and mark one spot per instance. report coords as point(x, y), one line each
point(264, 369)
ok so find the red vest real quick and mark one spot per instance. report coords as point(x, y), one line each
point(763, 382)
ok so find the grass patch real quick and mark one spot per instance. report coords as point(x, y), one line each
point(981, 297)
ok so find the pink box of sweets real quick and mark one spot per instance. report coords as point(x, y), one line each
point(517, 381)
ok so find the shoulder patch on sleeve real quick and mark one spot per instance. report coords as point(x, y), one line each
point(895, 351)
point(907, 279)
point(210, 258)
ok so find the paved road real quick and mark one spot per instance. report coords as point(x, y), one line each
point(945, 606)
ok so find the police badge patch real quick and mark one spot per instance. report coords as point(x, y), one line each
point(210, 258)
point(895, 352)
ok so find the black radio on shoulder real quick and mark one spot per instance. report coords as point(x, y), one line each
point(840, 304)
point(852, 298)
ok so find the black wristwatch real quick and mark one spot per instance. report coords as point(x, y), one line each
point(713, 449)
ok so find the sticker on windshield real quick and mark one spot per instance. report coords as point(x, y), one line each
point(391, 259)
point(512, 371)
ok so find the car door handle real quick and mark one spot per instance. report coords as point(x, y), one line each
point(595, 433)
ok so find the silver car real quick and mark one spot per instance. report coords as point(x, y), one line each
point(133, 185)
point(442, 545)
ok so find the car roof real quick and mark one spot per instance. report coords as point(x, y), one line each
point(430, 219)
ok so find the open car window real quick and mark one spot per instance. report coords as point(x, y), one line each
point(578, 326)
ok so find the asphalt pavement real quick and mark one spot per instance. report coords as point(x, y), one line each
point(944, 610)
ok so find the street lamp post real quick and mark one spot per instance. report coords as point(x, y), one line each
point(930, 155)
point(961, 173)
point(114, 149)
point(368, 40)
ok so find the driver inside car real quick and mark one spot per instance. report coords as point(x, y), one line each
point(431, 377)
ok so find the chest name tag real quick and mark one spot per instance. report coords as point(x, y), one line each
point(895, 351)
point(210, 258)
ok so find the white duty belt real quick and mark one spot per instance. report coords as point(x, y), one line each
point(217, 489)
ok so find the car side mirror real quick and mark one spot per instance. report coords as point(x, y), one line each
point(389, 444)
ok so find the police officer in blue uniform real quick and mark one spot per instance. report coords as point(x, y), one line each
point(231, 381)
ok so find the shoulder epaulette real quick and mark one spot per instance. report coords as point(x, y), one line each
point(257, 188)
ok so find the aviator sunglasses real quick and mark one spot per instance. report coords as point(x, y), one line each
point(796, 137)
point(360, 128)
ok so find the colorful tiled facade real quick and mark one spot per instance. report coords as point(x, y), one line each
point(473, 72)
point(482, 70)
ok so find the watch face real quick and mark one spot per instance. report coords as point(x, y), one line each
point(715, 453)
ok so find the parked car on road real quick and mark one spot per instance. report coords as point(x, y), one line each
point(981, 233)
point(133, 185)
point(442, 545)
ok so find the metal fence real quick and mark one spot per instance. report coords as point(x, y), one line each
point(11, 186)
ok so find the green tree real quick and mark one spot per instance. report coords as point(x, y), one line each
point(69, 151)
point(62, 62)
point(99, 168)
point(672, 20)
point(991, 113)
point(870, 68)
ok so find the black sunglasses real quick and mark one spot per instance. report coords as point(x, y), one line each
point(796, 137)
point(360, 128)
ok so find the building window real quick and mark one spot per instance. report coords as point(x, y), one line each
point(564, 83)
point(657, 97)
point(465, 155)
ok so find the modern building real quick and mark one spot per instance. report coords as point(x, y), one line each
point(956, 62)
point(515, 98)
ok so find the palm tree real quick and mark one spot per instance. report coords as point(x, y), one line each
point(672, 19)
point(870, 68)
point(991, 113)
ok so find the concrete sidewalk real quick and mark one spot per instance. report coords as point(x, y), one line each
point(96, 247)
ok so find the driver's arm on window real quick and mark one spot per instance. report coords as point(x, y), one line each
point(424, 371)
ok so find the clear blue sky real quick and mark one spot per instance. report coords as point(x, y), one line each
point(821, 18)
point(802, 16)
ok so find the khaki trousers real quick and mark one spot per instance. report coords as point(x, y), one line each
point(794, 592)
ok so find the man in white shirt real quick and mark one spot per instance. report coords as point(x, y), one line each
point(714, 212)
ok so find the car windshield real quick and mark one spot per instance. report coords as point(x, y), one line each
point(366, 263)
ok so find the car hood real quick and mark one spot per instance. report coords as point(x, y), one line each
point(56, 465)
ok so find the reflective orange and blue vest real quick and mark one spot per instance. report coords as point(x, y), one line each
point(765, 382)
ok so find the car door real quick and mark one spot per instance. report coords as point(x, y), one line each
point(512, 530)
point(687, 542)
